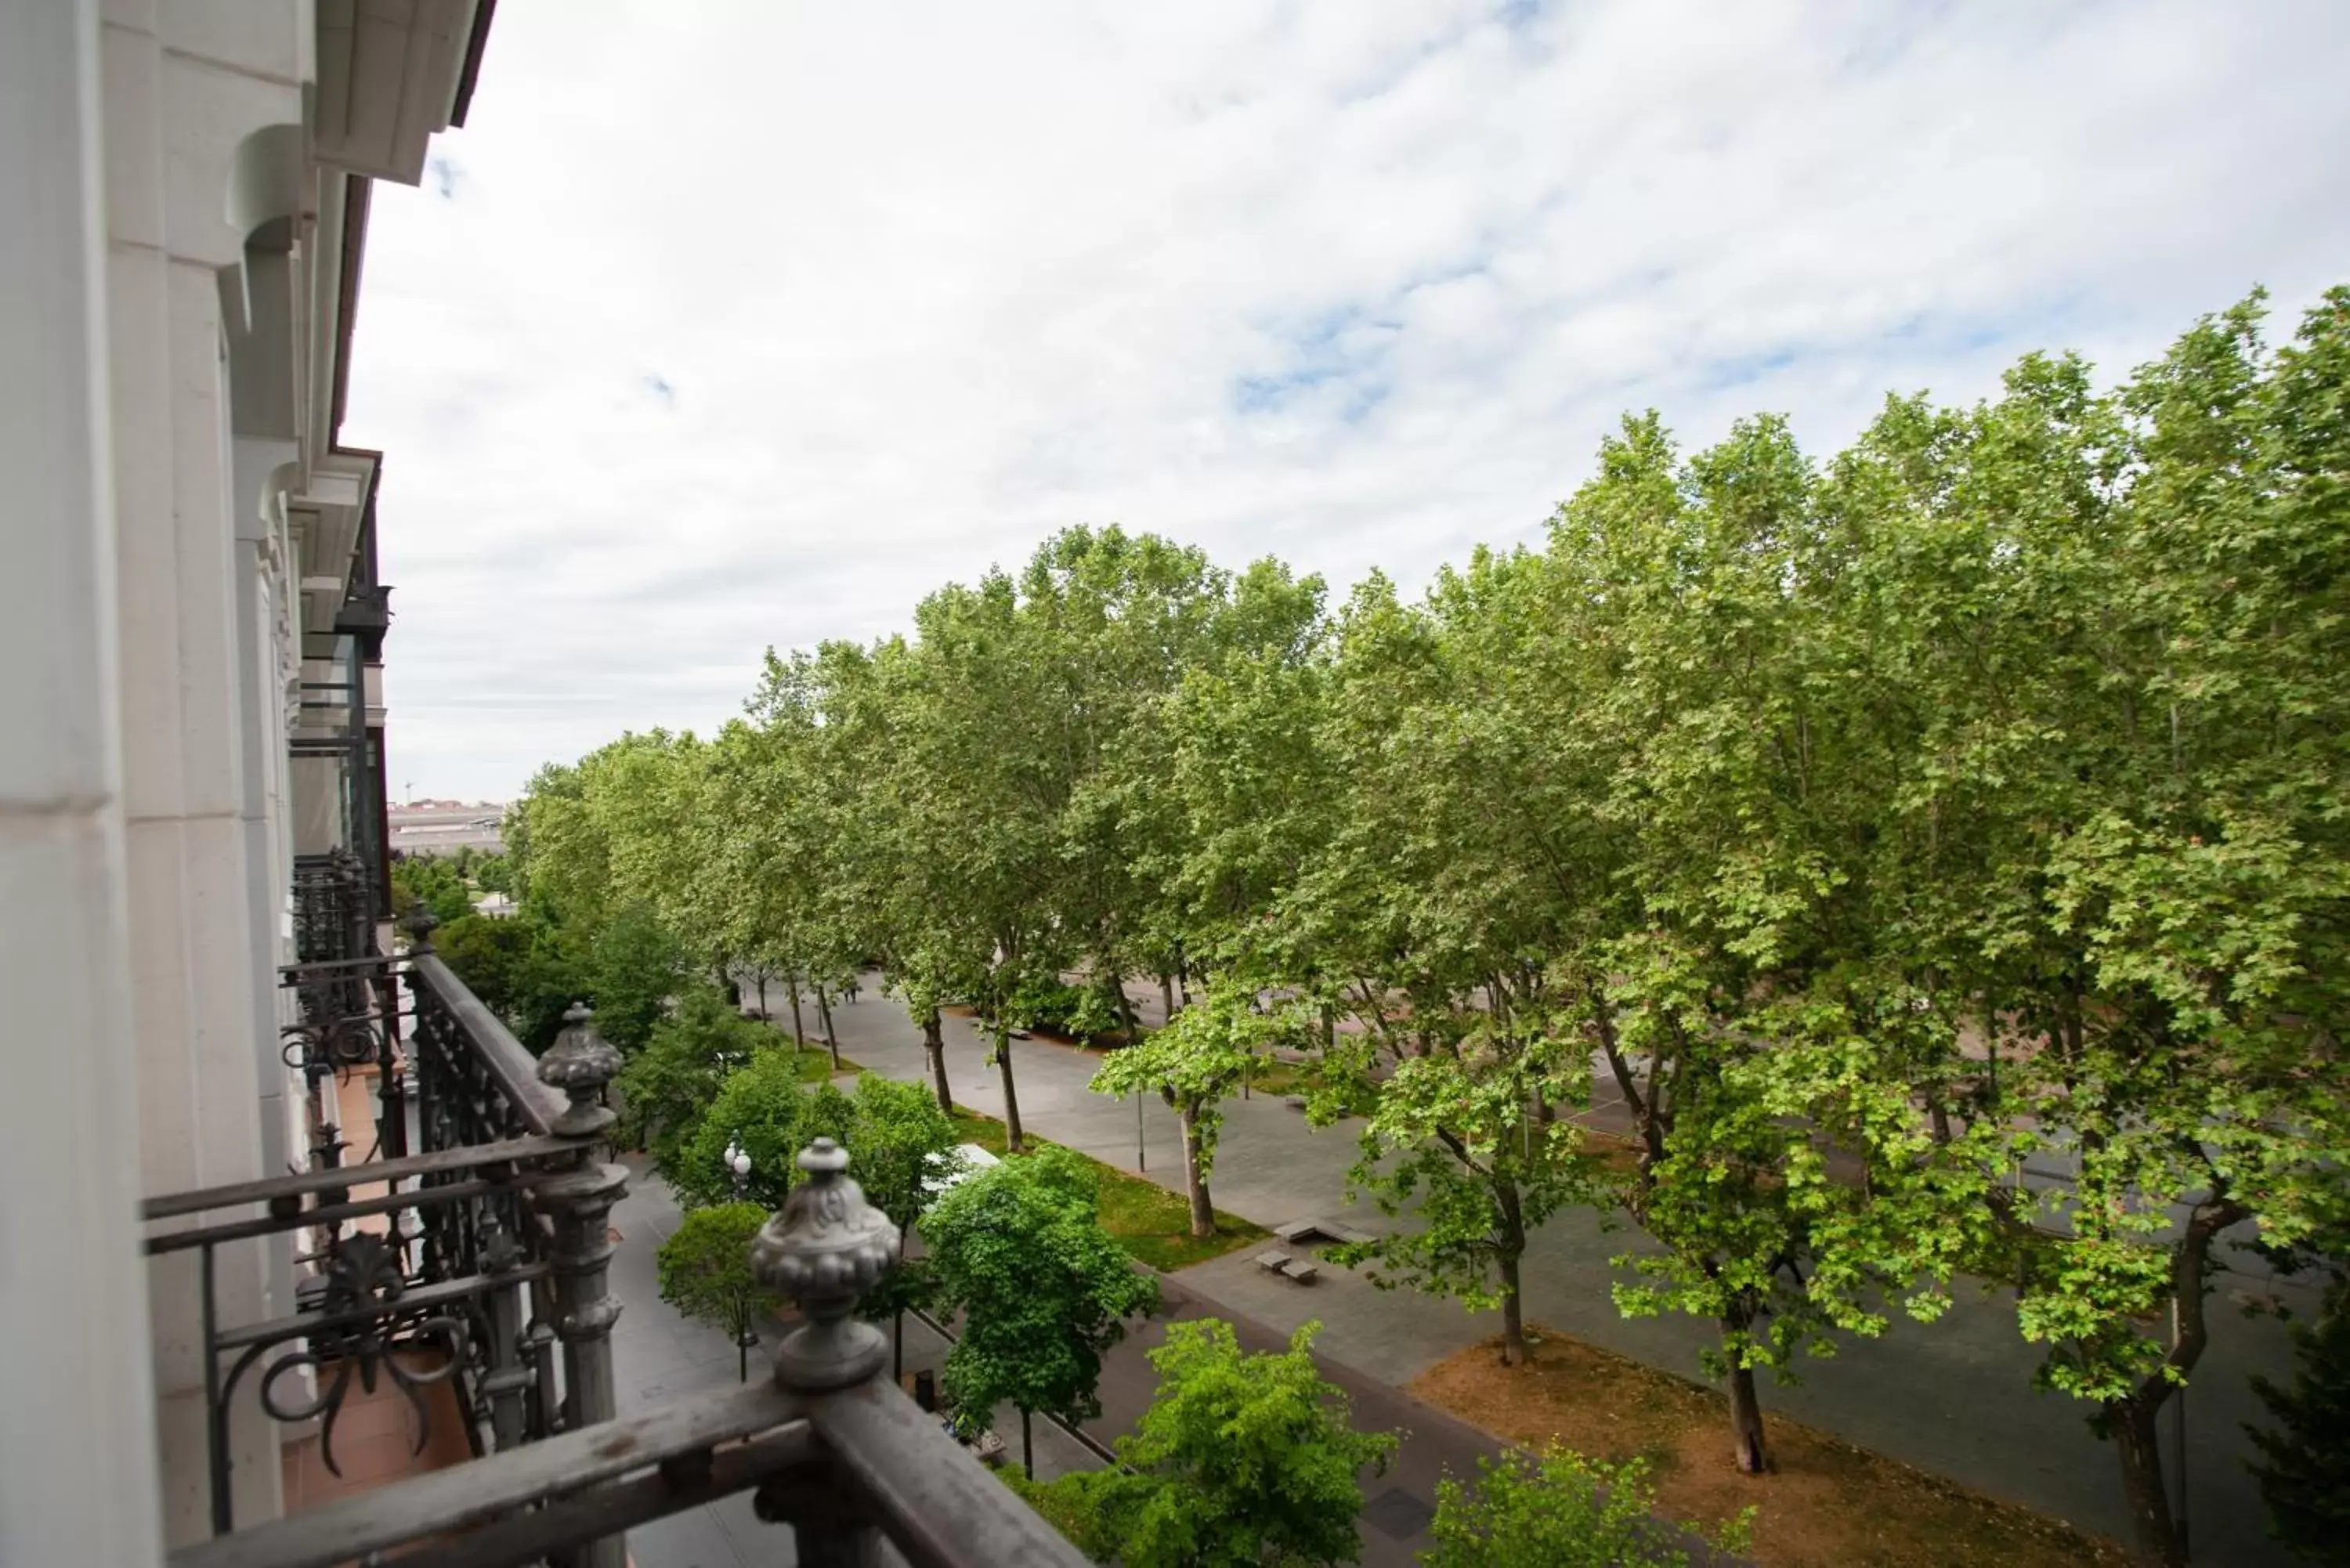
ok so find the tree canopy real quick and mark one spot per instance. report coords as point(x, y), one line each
point(1774, 857)
point(1020, 1251)
point(1563, 1510)
point(1240, 1459)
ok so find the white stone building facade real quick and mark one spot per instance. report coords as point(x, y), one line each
point(183, 542)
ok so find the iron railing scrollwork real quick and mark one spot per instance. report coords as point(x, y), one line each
point(505, 1299)
point(334, 923)
point(346, 1011)
point(827, 1446)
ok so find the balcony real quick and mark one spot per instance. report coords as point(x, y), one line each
point(463, 1285)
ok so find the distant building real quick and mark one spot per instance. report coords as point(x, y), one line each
point(445, 827)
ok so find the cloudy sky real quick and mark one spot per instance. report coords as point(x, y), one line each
point(727, 325)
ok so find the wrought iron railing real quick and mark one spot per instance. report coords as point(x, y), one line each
point(499, 1290)
point(480, 1262)
point(828, 1445)
point(337, 976)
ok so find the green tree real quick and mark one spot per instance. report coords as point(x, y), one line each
point(810, 916)
point(1244, 792)
point(900, 1140)
point(1727, 914)
point(1242, 1459)
point(768, 1110)
point(1044, 1292)
point(986, 777)
point(433, 880)
point(487, 955)
point(2096, 631)
point(527, 969)
point(666, 1088)
point(493, 874)
point(903, 1144)
point(1199, 1057)
point(1070, 1504)
point(704, 1272)
point(1563, 1510)
point(2304, 1469)
point(883, 862)
point(1459, 868)
point(635, 966)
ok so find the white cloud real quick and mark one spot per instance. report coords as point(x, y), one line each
point(1358, 285)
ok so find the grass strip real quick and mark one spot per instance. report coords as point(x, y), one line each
point(1151, 1223)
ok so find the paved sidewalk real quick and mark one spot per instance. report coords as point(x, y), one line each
point(1954, 1398)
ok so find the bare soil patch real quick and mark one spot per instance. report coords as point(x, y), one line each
point(1827, 1503)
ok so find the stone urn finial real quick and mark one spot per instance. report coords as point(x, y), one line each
point(825, 1249)
point(580, 1063)
point(419, 923)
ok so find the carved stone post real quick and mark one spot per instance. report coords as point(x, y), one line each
point(824, 1250)
point(580, 1063)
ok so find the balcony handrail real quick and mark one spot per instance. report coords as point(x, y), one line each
point(513, 1069)
point(301, 1184)
point(418, 1200)
point(936, 1503)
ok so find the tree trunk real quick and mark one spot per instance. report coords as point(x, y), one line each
point(761, 981)
point(1514, 1315)
point(1125, 1011)
point(1745, 1410)
point(799, 1033)
point(1028, 1448)
point(824, 1011)
point(1184, 983)
point(1167, 996)
point(2160, 1538)
point(1513, 1248)
point(2133, 1425)
point(1195, 1185)
point(934, 1046)
point(1011, 1097)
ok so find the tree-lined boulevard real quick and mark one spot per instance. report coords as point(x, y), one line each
point(1700, 927)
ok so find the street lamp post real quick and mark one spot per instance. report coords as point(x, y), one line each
point(738, 1165)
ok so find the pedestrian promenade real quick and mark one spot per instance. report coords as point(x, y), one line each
point(1954, 1398)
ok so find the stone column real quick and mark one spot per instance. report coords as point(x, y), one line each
point(825, 1249)
point(77, 1448)
point(580, 1063)
point(198, 103)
